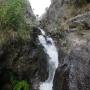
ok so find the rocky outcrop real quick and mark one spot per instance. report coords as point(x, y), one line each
point(23, 60)
point(29, 15)
point(68, 22)
point(63, 10)
point(78, 60)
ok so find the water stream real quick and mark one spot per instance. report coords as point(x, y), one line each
point(51, 50)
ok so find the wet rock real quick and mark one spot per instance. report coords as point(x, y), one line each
point(61, 78)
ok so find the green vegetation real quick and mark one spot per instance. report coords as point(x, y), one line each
point(11, 15)
point(12, 21)
point(21, 85)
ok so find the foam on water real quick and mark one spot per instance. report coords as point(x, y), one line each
point(51, 50)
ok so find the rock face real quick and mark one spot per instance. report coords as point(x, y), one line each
point(22, 57)
point(23, 60)
point(62, 10)
point(29, 15)
point(68, 22)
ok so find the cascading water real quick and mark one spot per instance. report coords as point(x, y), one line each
point(50, 49)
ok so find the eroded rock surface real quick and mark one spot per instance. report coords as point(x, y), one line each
point(68, 22)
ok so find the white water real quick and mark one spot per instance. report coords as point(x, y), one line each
point(50, 49)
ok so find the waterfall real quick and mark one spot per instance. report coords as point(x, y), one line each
point(51, 51)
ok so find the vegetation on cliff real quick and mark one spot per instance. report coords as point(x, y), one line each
point(15, 37)
point(19, 85)
point(12, 20)
point(11, 15)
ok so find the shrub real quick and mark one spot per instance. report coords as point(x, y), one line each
point(12, 21)
point(11, 14)
point(21, 85)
